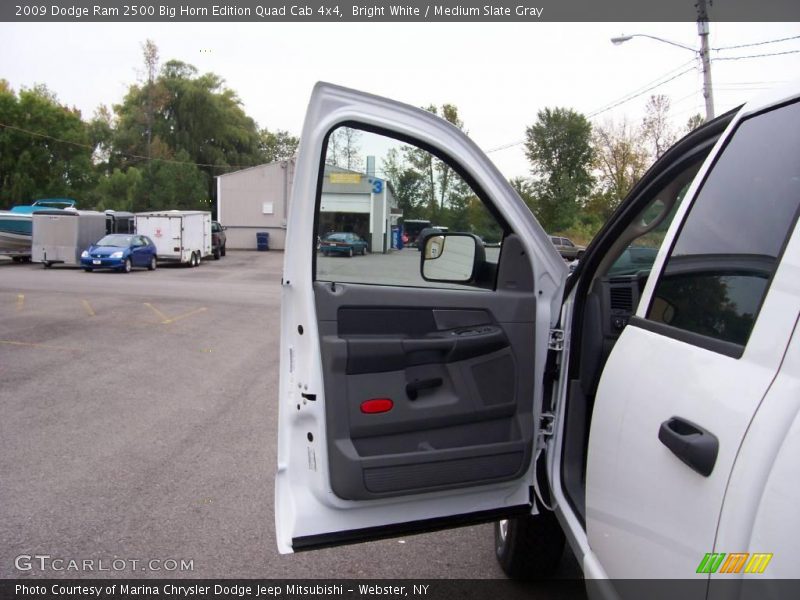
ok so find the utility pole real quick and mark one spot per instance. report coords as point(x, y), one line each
point(702, 31)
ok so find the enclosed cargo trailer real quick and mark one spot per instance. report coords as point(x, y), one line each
point(59, 236)
point(182, 236)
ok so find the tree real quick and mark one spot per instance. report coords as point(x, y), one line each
point(180, 110)
point(619, 162)
point(45, 147)
point(524, 188)
point(694, 122)
point(407, 184)
point(656, 128)
point(439, 186)
point(343, 149)
point(277, 145)
point(559, 149)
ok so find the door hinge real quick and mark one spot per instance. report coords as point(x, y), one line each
point(556, 340)
point(546, 423)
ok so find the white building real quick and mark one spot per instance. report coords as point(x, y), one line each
point(257, 199)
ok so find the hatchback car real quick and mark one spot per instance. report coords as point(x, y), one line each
point(120, 252)
point(343, 243)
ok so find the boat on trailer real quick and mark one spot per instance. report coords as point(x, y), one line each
point(16, 226)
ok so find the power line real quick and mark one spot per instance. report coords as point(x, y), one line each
point(621, 100)
point(755, 55)
point(646, 87)
point(786, 39)
point(125, 154)
point(650, 89)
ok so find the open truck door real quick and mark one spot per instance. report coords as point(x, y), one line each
point(410, 391)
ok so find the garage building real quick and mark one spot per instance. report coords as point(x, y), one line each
point(257, 200)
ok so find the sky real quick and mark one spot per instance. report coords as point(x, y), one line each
point(498, 74)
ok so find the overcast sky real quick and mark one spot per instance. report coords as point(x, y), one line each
point(499, 75)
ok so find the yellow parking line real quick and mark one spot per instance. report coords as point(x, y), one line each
point(88, 307)
point(31, 345)
point(20, 301)
point(183, 316)
point(164, 318)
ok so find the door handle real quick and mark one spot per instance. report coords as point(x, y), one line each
point(413, 388)
point(695, 446)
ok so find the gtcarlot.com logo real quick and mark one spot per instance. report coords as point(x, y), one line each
point(47, 563)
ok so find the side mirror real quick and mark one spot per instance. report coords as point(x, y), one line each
point(451, 257)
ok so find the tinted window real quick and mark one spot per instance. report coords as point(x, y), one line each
point(718, 271)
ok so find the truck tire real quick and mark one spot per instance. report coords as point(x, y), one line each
point(529, 547)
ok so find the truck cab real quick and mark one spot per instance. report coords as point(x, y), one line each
point(644, 407)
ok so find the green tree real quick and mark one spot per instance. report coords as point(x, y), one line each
point(438, 184)
point(406, 185)
point(181, 112)
point(277, 145)
point(45, 147)
point(525, 189)
point(559, 149)
point(173, 184)
point(117, 191)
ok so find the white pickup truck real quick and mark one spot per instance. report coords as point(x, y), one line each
point(645, 411)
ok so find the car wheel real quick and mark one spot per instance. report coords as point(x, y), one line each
point(127, 265)
point(217, 253)
point(529, 547)
point(88, 269)
point(153, 264)
point(350, 252)
point(324, 253)
point(363, 251)
point(222, 252)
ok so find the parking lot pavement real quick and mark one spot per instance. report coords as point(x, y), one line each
point(139, 418)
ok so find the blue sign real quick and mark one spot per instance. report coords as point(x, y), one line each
point(377, 186)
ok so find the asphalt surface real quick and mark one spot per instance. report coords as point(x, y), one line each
point(139, 420)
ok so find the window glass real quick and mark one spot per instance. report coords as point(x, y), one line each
point(379, 197)
point(718, 271)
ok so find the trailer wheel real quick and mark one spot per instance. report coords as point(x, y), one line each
point(47, 264)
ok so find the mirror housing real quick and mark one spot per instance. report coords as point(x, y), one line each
point(451, 258)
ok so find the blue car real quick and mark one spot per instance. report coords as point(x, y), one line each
point(120, 251)
point(343, 243)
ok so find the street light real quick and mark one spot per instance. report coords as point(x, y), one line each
point(702, 31)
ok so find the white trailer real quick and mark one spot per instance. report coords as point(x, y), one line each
point(59, 236)
point(182, 236)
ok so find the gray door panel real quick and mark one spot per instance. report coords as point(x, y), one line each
point(456, 365)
